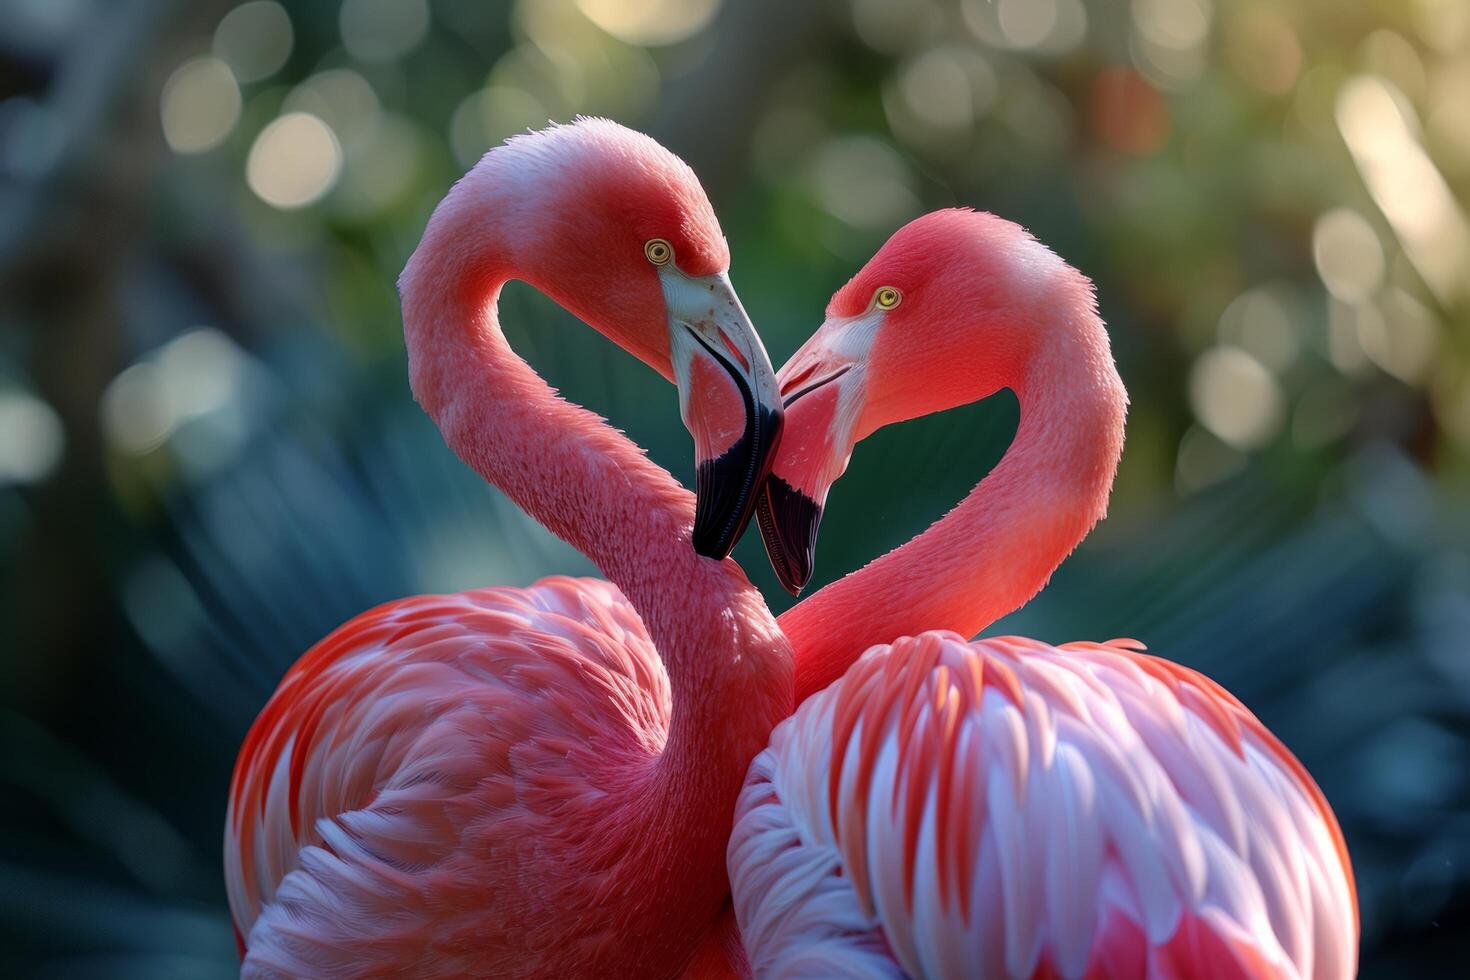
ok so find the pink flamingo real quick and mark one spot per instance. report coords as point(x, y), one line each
point(540, 781)
point(1003, 807)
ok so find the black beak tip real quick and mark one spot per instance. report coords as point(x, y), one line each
point(793, 580)
point(725, 487)
point(710, 543)
point(789, 521)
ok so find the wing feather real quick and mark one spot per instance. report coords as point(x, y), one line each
point(371, 801)
point(1008, 808)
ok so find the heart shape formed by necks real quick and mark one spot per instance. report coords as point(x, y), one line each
point(955, 306)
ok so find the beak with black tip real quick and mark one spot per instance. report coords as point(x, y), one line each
point(789, 521)
point(729, 401)
point(822, 389)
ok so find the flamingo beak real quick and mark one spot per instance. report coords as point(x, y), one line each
point(822, 389)
point(729, 401)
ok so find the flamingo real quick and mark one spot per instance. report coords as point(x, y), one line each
point(540, 781)
point(1002, 807)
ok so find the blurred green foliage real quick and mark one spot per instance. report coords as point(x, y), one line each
point(209, 457)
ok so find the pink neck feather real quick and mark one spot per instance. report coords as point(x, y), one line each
point(729, 666)
point(1000, 545)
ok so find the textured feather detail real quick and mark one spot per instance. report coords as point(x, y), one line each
point(1008, 808)
point(417, 760)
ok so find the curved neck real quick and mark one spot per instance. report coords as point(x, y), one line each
point(1000, 545)
point(729, 666)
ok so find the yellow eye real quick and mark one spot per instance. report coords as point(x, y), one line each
point(659, 252)
point(886, 298)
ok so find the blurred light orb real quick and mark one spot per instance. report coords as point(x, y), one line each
point(488, 116)
point(200, 105)
point(1177, 24)
point(1389, 54)
point(380, 31)
point(195, 374)
point(622, 82)
point(32, 438)
point(555, 79)
point(295, 161)
point(1168, 68)
point(254, 39)
point(201, 371)
point(136, 413)
point(1406, 342)
point(1042, 27)
point(1382, 134)
point(1443, 24)
point(1026, 24)
point(862, 181)
point(650, 23)
point(1264, 50)
point(1235, 397)
point(934, 99)
point(1168, 40)
point(1348, 254)
point(1367, 108)
point(1069, 30)
point(615, 80)
point(936, 86)
point(1259, 322)
point(557, 23)
point(342, 99)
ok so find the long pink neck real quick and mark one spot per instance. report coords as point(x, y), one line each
point(729, 666)
point(1000, 545)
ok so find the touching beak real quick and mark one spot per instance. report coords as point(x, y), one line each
point(822, 389)
point(729, 401)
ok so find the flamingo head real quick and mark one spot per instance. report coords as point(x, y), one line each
point(630, 244)
point(941, 316)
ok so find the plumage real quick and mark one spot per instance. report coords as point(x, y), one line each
point(402, 752)
point(1009, 808)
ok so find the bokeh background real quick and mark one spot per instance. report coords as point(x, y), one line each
point(209, 456)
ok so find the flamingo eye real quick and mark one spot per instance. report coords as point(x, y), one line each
point(658, 251)
point(886, 298)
